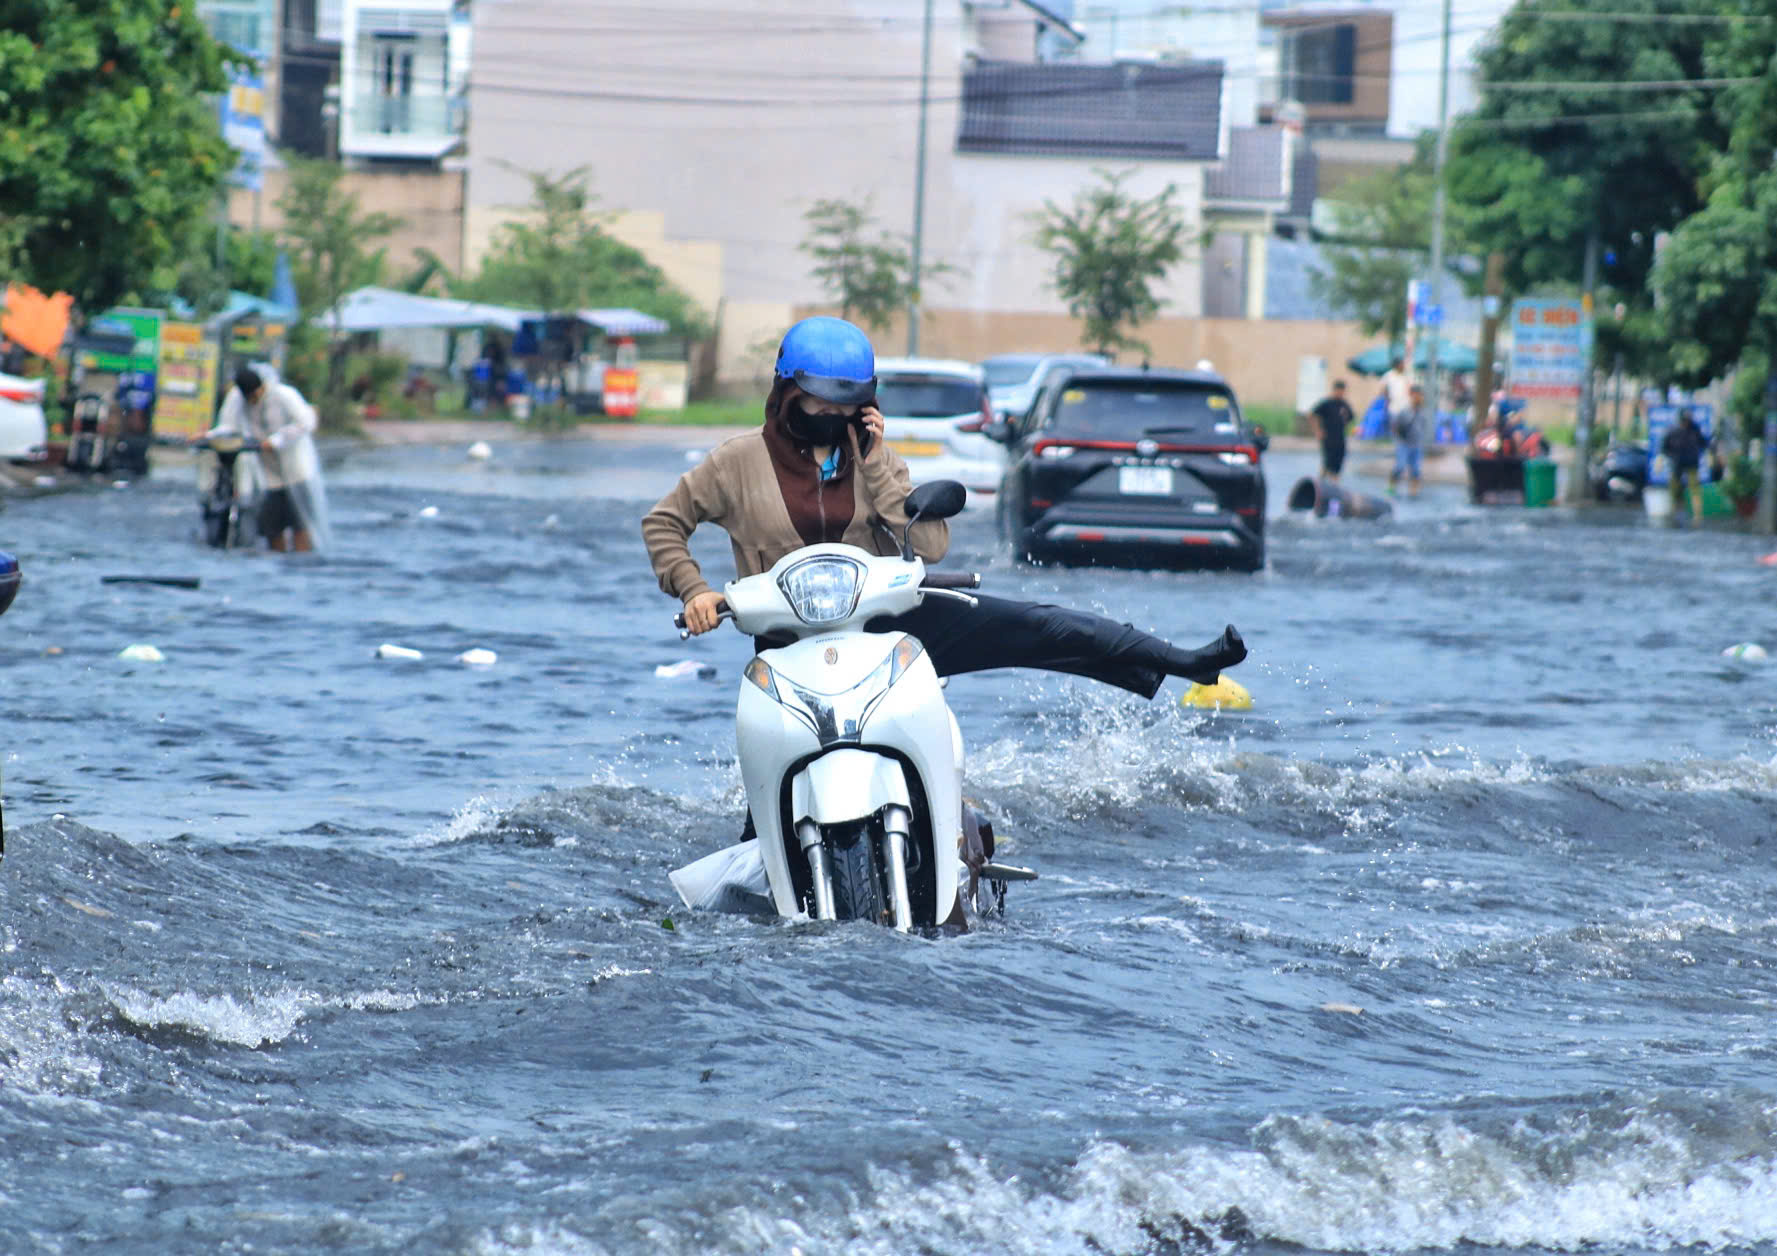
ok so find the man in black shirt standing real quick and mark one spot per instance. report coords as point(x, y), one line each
point(1332, 416)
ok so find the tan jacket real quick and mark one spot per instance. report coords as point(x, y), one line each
point(736, 488)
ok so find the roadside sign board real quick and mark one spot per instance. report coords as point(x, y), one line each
point(1551, 344)
point(187, 401)
point(143, 325)
point(243, 125)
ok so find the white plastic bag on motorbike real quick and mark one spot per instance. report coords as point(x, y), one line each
point(725, 880)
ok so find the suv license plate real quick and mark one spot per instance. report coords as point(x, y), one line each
point(1148, 481)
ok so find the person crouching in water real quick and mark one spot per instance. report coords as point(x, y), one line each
point(261, 407)
point(819, 470)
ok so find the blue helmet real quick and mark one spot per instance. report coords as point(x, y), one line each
point(829, 358)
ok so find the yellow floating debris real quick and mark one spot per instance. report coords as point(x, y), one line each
point(1224, 695)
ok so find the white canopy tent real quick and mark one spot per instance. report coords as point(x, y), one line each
point(384, 309)
point(425, 328)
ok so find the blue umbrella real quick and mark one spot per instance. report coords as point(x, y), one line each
point(1451, 357)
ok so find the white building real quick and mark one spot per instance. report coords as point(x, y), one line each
point(404, 73)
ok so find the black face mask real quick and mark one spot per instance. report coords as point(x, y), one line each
point(817, 429)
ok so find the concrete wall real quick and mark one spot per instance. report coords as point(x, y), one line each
point(729, 137)
point(430, 202)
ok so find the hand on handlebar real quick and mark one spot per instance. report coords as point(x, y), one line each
point(703, 612)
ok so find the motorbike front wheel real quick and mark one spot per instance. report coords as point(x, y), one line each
point(857, 876)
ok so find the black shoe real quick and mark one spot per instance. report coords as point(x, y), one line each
point(1205, 665)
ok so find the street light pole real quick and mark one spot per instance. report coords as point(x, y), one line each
point(915, 265)
point(1432, 391)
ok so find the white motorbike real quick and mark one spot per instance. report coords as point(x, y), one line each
point(852, 760)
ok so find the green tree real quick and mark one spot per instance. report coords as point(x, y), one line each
point(1110, 247)
point(867, 272)
point(1565, 149)
point(109, 143)
point(560, 259)
point(251, 259)
point(1717, 277)
point(1381, 239)
point(330, 242)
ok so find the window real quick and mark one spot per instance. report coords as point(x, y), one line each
point(927, 396)
point(392, 66)
point(236, 29)
point(1125, 410)
point(1319, 64)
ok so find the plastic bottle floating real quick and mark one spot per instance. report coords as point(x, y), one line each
point(388, 651)
point(478, 657)
point(481, 451)
point(1224, 695)
point(1746, 652)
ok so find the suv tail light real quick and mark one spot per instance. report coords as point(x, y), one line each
point(1053, 449)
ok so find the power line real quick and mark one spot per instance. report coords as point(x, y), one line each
point(1563, 120)
point(1607, 85)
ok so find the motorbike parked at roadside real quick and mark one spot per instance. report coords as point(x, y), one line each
point(1619, 473)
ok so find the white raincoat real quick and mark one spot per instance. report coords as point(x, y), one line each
point(283, 422)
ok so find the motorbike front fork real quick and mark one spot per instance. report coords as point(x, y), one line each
point(897, 825)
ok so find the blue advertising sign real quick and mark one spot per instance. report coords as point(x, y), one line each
point(1551, 347)
point(243, 126)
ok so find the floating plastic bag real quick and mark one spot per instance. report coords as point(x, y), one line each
point(478, 657)
point(141, 653)
point(687, 669)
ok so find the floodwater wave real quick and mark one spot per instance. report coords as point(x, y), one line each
point(1461, 939)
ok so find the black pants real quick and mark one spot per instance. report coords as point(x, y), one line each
point(998, 632)
point(1332, 455)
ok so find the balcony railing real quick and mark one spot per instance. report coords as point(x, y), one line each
point(424, 115)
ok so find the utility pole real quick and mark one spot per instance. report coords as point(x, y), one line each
point(1767, 490)
point(1432, 389)
point(1493, 288)
point(919, 184)
point(1582, 428)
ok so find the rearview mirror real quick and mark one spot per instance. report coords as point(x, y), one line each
point(1261, 438)
point(998, 431)
point(939, 499)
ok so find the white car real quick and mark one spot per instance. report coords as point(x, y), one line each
point(1015, 379)
point(934, 411)
point(24, 435)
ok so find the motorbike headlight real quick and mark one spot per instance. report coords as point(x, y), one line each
point(823, 590)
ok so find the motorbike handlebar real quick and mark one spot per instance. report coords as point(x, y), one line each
point(951, 580)
point(722, 612)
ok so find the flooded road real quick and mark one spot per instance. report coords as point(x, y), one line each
point(306, 949)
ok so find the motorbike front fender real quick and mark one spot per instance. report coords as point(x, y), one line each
point(847, 785)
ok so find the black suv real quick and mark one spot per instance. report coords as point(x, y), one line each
point(1136, 467)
